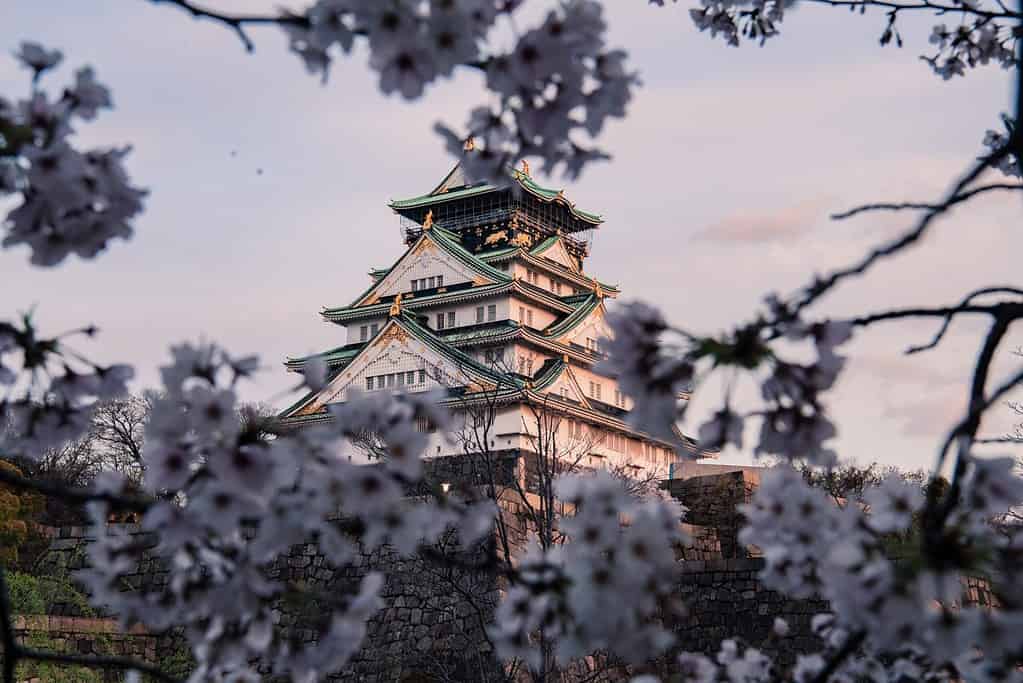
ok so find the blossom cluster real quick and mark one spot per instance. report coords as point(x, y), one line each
point(995, 140)
point(971, 44)
point(48, 389)
point(228, 502)
point(72, 201)
point(654, 371)
point(559, 77)
point(984, 36)
point(605, 588)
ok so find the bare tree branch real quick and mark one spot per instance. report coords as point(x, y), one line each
point(236, 22)
point(904, 206)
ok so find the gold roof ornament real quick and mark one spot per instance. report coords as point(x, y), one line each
point(521, 239)
point(495, 237)
point(564, 358)
point(428, 221)
point(525, 167)
point(396, 306)
point(469, 144)
point(598, 290)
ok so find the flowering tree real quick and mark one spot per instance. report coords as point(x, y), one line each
point(224, 501)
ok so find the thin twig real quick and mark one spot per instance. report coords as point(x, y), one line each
point(236, 22)
point(822, 285)
point(908, 206)
point(925, 5)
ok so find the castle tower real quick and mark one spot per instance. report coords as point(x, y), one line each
point(492, 303)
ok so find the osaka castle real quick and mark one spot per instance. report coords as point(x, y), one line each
point(491, 303)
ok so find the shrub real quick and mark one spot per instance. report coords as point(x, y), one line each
point(24, 594)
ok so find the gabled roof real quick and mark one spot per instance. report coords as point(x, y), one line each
point(581, 313)
point(456, 185)
point(474, 370)
point(447, 242)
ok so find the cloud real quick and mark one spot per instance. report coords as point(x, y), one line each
point(783, 226)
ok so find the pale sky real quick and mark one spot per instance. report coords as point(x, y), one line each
point(269, 191)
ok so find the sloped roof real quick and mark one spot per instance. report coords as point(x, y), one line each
point(448, 242)
point(409, 324)
point(581, 313)
point(456, 185)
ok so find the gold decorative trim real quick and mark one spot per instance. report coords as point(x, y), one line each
point(396, 306)
point(394, 332)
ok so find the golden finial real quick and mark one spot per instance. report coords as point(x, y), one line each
point(470, 144)
point(396, 306)
point(428, 221)
point(525, 167)
point(564, 358)
point(598, 290)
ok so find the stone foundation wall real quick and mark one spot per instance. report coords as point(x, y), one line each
point(724, 599)
point(711, 501)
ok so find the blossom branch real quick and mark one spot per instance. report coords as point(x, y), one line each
point(938, 8)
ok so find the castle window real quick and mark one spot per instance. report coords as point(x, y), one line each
point(529, 317)
point(390, 380)
point(440, 321)
point(479, 314)
point(598, 390)
point(369, 384)
point(451, 318)
point(564, 392)
point(373, 329)
point(363, 333)
point(440, 280)
point(415, 285)
point(522, 314)
point(401, 379)
point(529, 366)
point(410, 377)
point(422, 376)
point(492, 312)
point(591, 344)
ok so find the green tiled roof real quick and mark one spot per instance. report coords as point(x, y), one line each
point(333, 357)
point(544, 194)
point(574, 318)
point(449, 243)
point(544, 245)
